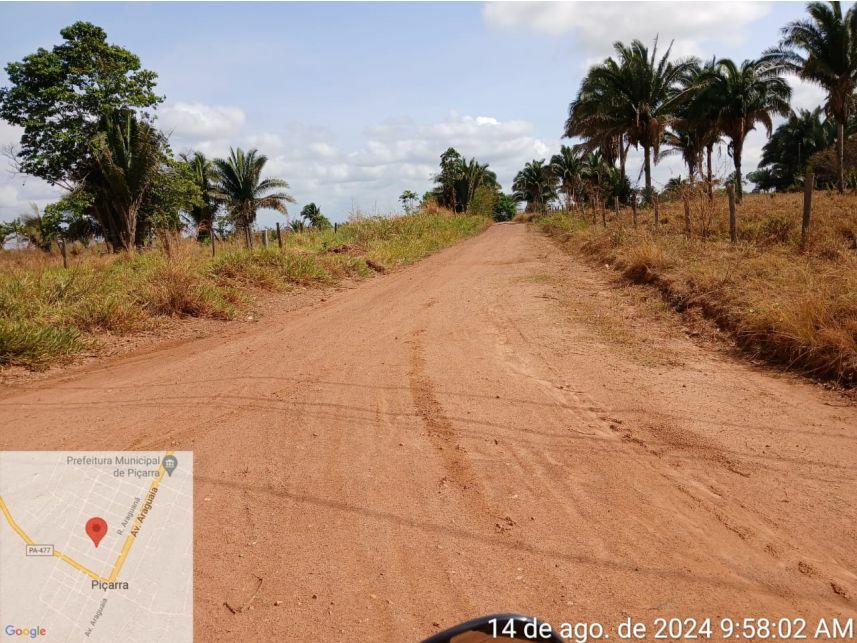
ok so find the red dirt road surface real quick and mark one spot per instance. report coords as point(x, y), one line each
point(497, 428)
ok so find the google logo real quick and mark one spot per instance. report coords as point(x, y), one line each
point(29, 632)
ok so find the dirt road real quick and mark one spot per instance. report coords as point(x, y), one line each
point(497, 428)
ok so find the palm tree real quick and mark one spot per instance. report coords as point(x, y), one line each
point(703, 115)
point(823, 50)
point(685, 142)
point(536, 185)
point(785, 155)
point(635, 96)
point(695, 126)
point(408, 198)
point(126, 159)
point(472, 176)
point(205, 176)
point(743, 97)
point(241, 187)
point(595, 174)
point(566, 167)
point(311, 213)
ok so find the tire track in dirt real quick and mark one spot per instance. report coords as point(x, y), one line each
point(590, 474)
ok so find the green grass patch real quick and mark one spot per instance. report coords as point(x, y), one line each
point(48, 313)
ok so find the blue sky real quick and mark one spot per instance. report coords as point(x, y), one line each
point(354, 102)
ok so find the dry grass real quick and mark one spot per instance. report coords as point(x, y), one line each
point(784, 301)
point(48, 313)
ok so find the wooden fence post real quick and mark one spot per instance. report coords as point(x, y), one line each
point(634, 209)
point(733, 222)
point(616, 206)
point(279, 236)
point(657, 211)
point(335, 227)
point(808, 184)
point(213, 236)
point(62, 250)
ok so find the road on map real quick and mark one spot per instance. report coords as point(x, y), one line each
point(497, 428)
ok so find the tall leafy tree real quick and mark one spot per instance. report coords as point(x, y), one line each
point(204, 175)
point(408, 199)
point(70, 216)
point(823, 50)
point(634, 95)
point(744, 96)
point(697, 119)
point(311, 213)
point(459, 179)
point(601, 180)
point(536, 185)
point(36, 229)
point(505, 207)
point(787, 152)
point(473, 176)
point(59, 96)
point(126, 158)
point(687, 143)
point(451, 164)
point(242, 189)
point(566, 167)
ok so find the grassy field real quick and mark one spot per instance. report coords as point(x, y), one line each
point(786, 302)
point(48, 313)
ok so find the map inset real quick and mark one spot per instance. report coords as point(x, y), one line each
point(96, 546)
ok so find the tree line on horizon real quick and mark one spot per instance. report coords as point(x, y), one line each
point(88, 111)
point(685, 107)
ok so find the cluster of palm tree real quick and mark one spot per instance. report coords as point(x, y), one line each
point(648, 100)
point(134, 186)
point(575, 175)
point(664, 106)
point(794, 145)
point(234, 187)
point(459, 180)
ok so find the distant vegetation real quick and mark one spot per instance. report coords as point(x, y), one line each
point(643, 97)
point(782, 295)
point(88, 113)
point(48, 313)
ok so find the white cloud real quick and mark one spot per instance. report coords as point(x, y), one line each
point(8, 196)
point(9, 134)
point(596, 25)
point(17, 193)
point(806, 95)
point(395, 154)
point(197, 121)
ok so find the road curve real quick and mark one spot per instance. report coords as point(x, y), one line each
point(497, 428)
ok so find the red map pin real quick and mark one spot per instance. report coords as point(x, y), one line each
point(96, 529)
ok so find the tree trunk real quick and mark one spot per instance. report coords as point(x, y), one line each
point(248, 234)
point(647, 167)
point(623, 155)
point(736, 155)
point(709, 149)
point(840, 156)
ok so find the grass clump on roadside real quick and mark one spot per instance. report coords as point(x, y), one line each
point(790, 303)
point(48, 313)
